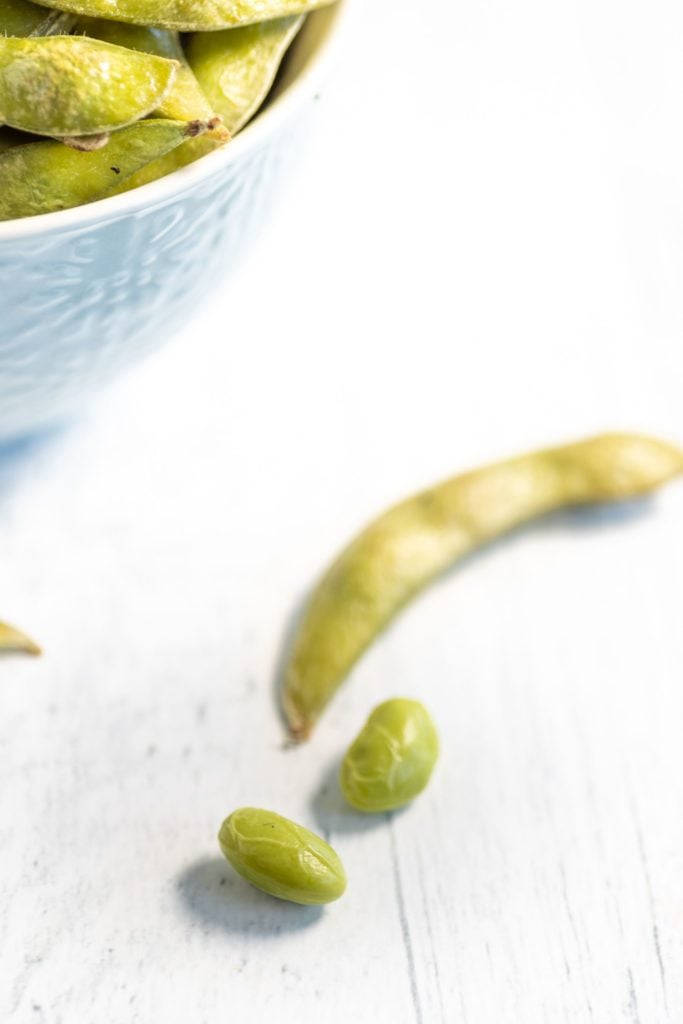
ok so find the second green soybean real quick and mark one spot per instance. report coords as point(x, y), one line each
point(392, 758)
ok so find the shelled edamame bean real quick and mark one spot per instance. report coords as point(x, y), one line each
point(282, 858)
point(392, 758)
point(89, 72)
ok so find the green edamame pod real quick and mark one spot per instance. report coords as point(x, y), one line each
point(282, 858)
point(189, 15)
point(236, 68)
point(46, 176)
point(186, 154)
point(22, 18)
point(417, 540)
point(185, 100)
point(392, 758)
point(145, 38)
point(70, 85)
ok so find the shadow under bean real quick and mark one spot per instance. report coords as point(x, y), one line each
point(211, 893)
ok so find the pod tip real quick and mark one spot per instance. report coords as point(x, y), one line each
point(13, 640)
point(216, 128)
point(299, 727)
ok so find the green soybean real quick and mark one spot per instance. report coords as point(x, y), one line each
point(281, 858)
point(398, 554)
point(236, 68)
point(189, 15)
point(185, 100)
point(22, 18)
point(186, 94)
point(70, 85)
point(392, 758)
point(45, 176)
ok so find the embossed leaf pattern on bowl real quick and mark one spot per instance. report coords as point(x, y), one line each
point(80, 305)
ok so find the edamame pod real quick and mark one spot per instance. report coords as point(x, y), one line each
point(392, 758)
point(22, 18)
point(70, 85)
point(12, 639)
point(281, 858)
point(189, 15)
point(236, 68)
point(417, 540)
point(160, 41)
point(186, 154)
point(185, 100)
point(46, 176)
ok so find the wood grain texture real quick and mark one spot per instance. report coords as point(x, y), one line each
point(511, 281)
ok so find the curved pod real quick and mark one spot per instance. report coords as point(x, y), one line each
point(71, 85)
point(414, 542)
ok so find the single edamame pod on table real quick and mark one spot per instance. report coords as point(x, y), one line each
point(70, 85)
point(236, 68)
point(12, 639)
point(392, 758)
point(45, 176)
point(281, 858)
point(22, 18)
point(189, 15)
point(414, 542)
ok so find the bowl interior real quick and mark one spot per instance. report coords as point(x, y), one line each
point(305, 48)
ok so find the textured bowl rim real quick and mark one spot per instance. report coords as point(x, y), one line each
point(304, 86)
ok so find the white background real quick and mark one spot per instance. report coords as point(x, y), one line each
point(481, 252)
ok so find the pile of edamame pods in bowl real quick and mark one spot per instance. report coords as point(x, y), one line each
point(98, 97)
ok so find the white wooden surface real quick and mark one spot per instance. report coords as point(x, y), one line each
point(482, 252)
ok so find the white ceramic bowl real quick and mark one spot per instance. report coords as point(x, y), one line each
point(85, 292)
